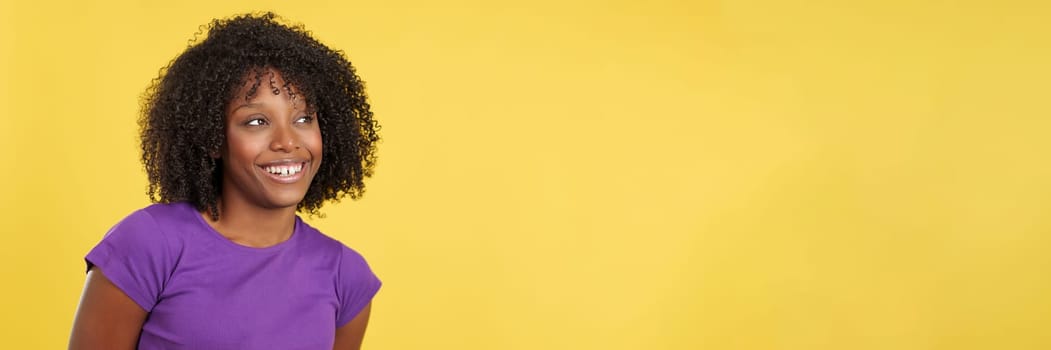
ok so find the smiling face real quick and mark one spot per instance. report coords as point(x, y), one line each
point(273, 145)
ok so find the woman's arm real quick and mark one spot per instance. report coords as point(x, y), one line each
point(349, 336)
point(107, 318)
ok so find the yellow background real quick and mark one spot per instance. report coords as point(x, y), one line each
point(603, 175)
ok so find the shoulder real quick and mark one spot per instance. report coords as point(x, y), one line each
point(355, 281)
point(138, 254)
point(315, 238)
point(349, 261)
point(159, 213)
point(172, 214)
point(318, 242)
point(139, 223)
point(155, 225)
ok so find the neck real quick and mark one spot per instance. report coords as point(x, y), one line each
point(253, 226)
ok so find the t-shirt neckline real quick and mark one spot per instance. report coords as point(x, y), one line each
point(209, 230)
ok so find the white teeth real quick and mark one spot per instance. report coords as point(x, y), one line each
point(284, 170)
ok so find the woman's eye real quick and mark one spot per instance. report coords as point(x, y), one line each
point(305, 119)
point(256, 122)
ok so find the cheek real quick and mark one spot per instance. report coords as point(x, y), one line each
point(315, 145)
point(242, 149)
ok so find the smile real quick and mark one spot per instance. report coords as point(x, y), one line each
point(284, 170)
point(284, 173)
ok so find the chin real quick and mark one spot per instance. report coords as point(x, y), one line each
point(285, 201)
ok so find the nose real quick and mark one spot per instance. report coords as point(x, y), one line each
point(284, 139)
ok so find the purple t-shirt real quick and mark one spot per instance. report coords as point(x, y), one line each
point(203, 291)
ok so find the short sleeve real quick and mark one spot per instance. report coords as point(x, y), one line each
point(356, 285)
point(135, 256)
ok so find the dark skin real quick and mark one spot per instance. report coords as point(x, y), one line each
point(256, 209)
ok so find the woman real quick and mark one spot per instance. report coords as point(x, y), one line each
point(233, 136)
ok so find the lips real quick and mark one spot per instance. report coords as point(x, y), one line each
point(285, 172)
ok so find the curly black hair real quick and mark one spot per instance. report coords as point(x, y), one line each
point(183, 110)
